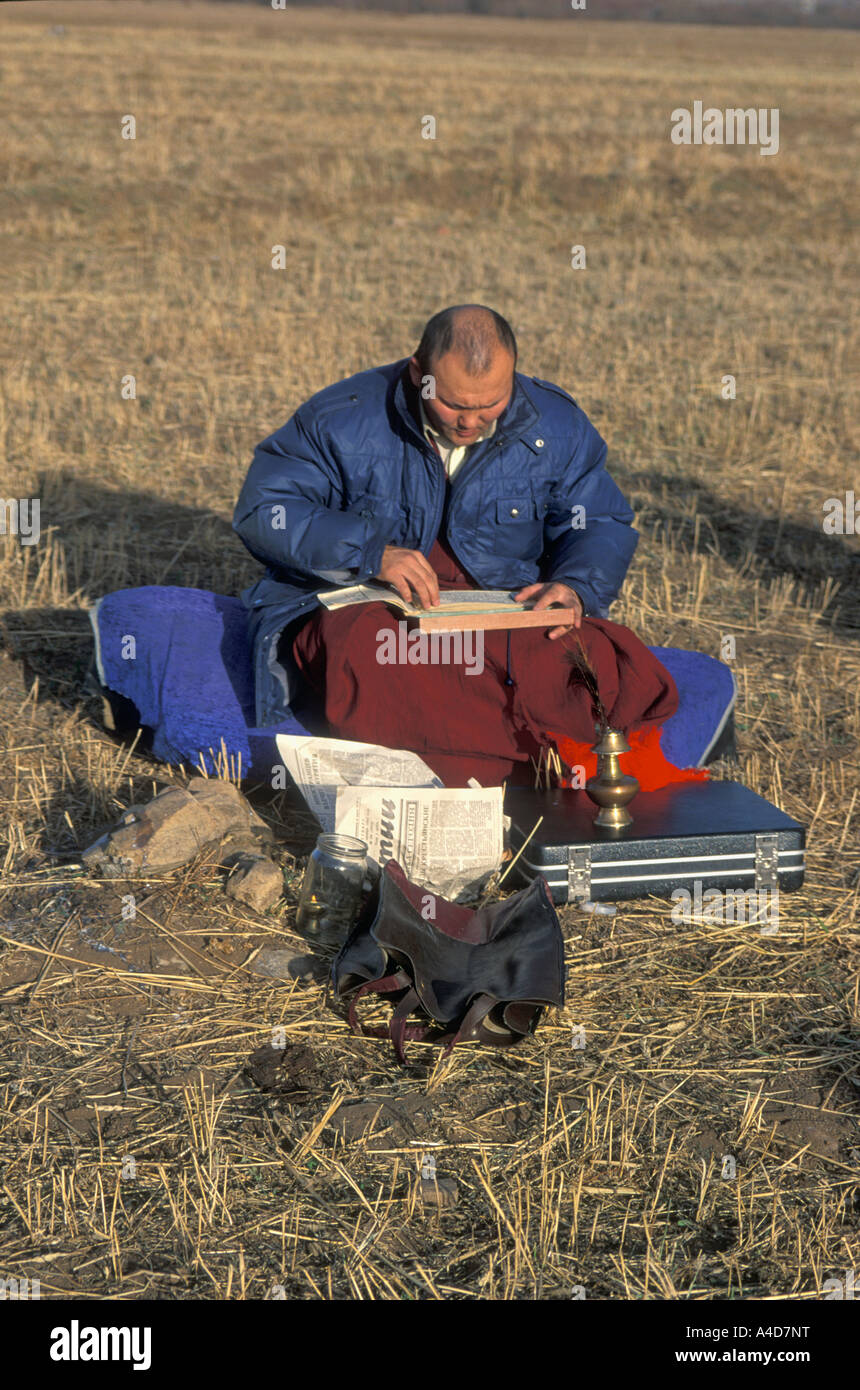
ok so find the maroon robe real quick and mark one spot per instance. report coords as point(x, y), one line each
point(488, 726)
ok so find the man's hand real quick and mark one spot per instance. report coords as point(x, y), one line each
point(549, 594)
point(408, 571)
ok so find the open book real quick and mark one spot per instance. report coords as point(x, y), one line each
point(459, 609)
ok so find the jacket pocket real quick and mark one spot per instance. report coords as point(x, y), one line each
point(510, 510)
point(517, 533)
point(370, 506)
point(386, 514)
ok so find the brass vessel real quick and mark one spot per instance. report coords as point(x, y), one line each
point(611, 789)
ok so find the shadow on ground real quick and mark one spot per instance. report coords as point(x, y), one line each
point(754, 543)
point(110, 540)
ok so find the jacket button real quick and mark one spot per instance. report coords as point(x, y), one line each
point(353, 398)
point(539, 443)
point(515, 511)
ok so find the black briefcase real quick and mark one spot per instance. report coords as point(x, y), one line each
point(716, 834)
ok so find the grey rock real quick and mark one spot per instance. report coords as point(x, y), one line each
point(167, 832)
point(256, 882)
point(286, 965)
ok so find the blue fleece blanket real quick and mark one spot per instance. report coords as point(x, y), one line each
point(183, 658)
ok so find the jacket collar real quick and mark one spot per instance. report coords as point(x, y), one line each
point(519, 415)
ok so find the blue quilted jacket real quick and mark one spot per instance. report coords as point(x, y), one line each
point(351, 473)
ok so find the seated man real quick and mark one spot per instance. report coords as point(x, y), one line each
point(446, 469)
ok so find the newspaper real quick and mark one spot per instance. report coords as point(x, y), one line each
point(318, 766)
point(445, 839)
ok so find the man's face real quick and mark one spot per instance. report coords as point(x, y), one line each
point(463, 406)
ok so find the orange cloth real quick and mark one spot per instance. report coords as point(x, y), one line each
point(645, 761)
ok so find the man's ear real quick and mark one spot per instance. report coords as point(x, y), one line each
point(415, 372)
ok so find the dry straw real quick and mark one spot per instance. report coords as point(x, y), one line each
point(138, 1159)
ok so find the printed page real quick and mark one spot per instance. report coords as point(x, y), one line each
point(364, 593)
point(319, 766)
point(446, 841)
point(455, 601)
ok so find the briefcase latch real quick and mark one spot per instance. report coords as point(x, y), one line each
point(578, 872)
point(766, 862)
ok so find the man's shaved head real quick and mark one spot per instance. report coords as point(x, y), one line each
point(464, 366)
point(474, 333)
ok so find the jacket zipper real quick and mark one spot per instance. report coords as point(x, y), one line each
point(441, 508)
point(431, 453)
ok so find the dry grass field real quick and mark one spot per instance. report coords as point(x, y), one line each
point(125, 1044)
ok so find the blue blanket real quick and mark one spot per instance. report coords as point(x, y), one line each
point(183, 658)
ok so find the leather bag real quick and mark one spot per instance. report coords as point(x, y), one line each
point(486, 975)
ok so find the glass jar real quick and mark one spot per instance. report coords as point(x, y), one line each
point(331, 893)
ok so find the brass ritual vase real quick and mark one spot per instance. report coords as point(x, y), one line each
point(611, 789)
